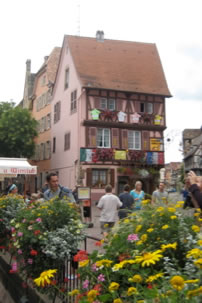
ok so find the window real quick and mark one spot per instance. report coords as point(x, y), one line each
point(42, 151)
point(99, 177)
point(103, 138)
point(146, 108)
point(67, 141)
point(57, 108)
point(54, 144)
point(48, 150)
point(73, 101)
point(43, 124)
point(107, 104)
point(48, 121)
point(66, 78)
point(134, 140)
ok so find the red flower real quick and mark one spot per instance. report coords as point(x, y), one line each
point(149, 286)
point(11, 271)
point(53, 282)
point(81, 256)
point(33, 252)
point(2, 247)
point(66, 280)
point(37, 232)
point(98, 243)
point(62, 289)
point(98, 287)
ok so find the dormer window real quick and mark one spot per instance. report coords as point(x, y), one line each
point(66, 78)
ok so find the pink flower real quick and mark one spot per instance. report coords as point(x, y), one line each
point(19, 252)
point(38, 220)
point(24, 220)
point(101, 278)
point(14, 266)
point(133, 237)
point(85, 284)
point(20, 234)
point(94, 267)
point(12, 229)
point(30, 261)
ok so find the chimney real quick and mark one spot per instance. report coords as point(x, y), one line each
point(28, 66)
point(100, 36)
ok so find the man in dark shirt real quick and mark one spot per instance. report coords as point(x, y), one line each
point(127, 201)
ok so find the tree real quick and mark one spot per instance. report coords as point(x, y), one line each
point(17, 131)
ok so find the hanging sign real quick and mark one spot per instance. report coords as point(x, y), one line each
point(155, 144)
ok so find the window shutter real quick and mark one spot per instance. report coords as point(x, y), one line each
point(156, 108)
point(59, 109)
point(55, 113)
point(96, 102)
point(89, 177)
point(92, 136)
point(145, 140)
point(124, 139)
point(119, 105)
point(137, 107)
point(115, 138)
point(112, 177)
point(68, 141)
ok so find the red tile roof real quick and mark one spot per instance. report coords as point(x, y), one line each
point(118, 65)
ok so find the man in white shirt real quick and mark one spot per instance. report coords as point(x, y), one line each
point(109, 203)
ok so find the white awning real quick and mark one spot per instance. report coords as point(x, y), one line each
point(19, 166)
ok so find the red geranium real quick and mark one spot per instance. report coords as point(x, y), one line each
point(98, 243)
point(37, 232)
point(33, 252)
point(81, 256)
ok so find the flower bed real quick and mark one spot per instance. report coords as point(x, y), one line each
point(153, 256)
point(40, 235)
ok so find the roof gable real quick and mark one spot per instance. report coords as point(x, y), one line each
point(118, 65)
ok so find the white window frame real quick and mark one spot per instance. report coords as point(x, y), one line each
point(134, 140)
point(110, 103)
point(103, 103)
point(101, 133)
point(48, 121)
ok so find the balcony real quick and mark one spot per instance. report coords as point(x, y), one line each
point(111, 119)
point(120, 156)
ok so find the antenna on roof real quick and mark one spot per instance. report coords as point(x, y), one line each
point(78, 20)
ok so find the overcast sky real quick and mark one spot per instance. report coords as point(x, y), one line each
point(29, 29)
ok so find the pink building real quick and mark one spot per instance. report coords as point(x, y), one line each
point(109, 114)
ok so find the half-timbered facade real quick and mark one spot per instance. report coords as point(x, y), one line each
point(112, 114)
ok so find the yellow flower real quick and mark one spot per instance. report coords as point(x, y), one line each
point(154, 278)
point(138, 228)
point(145, 202)
point(177, 282)
point(198, 263)
point(171, 209)
point(132, 291)
point(104, 262)
point(149, 230)
point(199, 242)
point(113, 286)
point(191, 281)
point(149, 258)
point(165, 246)
point(173, 217)
point(83, 263)
point(200, 219)
point(106, 225)
point(194, 292)
point(179, 204)
point(44, 278)
point(140, 301)
point(136, 279)
point(117, 266)
point(195, 228)
point(74, 292)
point(195, 253)
point(144, 238)
point(165, 226)
point(126, 221)
point(139, 242)
point(160, 209)
point(92, 294)
point(117, 301)
point(196, 214)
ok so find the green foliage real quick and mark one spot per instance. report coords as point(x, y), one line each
point(17, 131)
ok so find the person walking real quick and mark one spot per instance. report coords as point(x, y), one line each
point(127, 201)
point(108, 204)
point(196, 188)
point(13, 189)
point(138, 195)
point(160, 196)
point(56, 190)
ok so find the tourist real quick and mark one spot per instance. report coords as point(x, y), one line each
point(196, 188)
point(127, 201)
point(13, 189)
point(56, 190)
point(138, 195)
point(109, 203)
point(160, 196)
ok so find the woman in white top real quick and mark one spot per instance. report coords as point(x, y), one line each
point(138, 195)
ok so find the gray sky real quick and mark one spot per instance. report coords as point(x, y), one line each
point(31, 28)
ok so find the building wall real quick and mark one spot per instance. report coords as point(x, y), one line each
point(65, 161)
